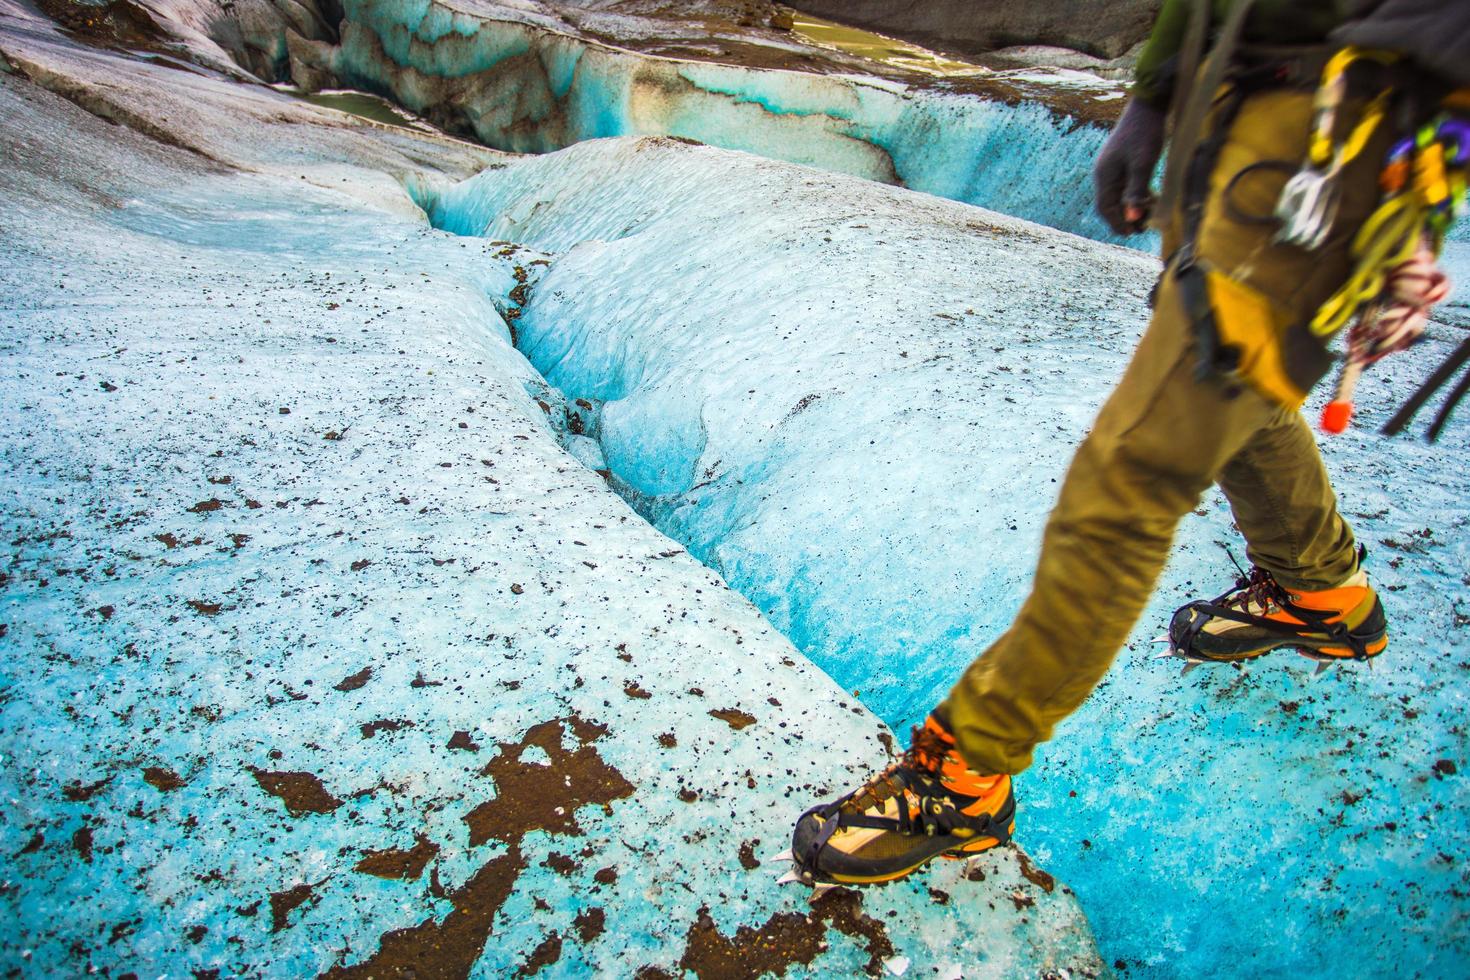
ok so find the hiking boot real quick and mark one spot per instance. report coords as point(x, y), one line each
point(1259, 615)
point(928, 804)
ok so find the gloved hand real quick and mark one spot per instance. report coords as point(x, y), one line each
point(1125, 166)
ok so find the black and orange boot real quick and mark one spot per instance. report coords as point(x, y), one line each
point(1259, 615)
point(926, 805)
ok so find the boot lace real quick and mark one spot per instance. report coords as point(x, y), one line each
point(1256, 593)
point(923, 760)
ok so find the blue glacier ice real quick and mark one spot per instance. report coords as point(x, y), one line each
point(855, 402)
point(327, 652)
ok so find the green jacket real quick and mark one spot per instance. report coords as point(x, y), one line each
point(1270, 22)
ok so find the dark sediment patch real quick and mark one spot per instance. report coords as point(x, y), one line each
point(81, 842)
point(355, 681)
point(161, 779)
point(734, 717)
point(462, 741)
point(545, 954)
point(787, 939)
point(444, 950)
point(536, 797)
point(529, 797)
point(748, 860)
point(384, 725)
point(302, 792)
point(285, 902)
point(561, 864)
point(1034, 874)
point(590, 923)
point(78, 792)
point(398, 863)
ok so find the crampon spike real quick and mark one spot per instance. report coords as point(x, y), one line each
point(821, 889)
point(1166, 638)
point(783, 856)
point(1188, 666)
point(788, 877)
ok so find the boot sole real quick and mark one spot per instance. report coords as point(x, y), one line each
point(1305, 647)
point(963, 853)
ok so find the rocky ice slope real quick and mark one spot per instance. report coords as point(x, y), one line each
point(518, 84)
point(323, 655)
point(1105, 28)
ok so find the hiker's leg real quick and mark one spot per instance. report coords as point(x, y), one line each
point(1286, 510)
point(1157, 445)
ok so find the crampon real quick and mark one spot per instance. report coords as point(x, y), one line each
point(926, 805)
point(1258, 615)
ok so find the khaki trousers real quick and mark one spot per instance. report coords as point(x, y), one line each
point(1160, 441)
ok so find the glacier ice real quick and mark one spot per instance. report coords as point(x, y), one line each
point(300, 591)
point(855, 403)
point(525, 87)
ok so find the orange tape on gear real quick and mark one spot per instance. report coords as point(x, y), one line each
point(1336, 416)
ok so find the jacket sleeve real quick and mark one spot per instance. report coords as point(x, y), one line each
point(1153, 77)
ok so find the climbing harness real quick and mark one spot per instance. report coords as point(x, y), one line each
point(1395, 279)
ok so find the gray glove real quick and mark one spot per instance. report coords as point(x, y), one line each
point(1125, 166)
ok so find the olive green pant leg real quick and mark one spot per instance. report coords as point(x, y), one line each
point(1277, 486)
point(1159, 442)
point(1286, 510)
